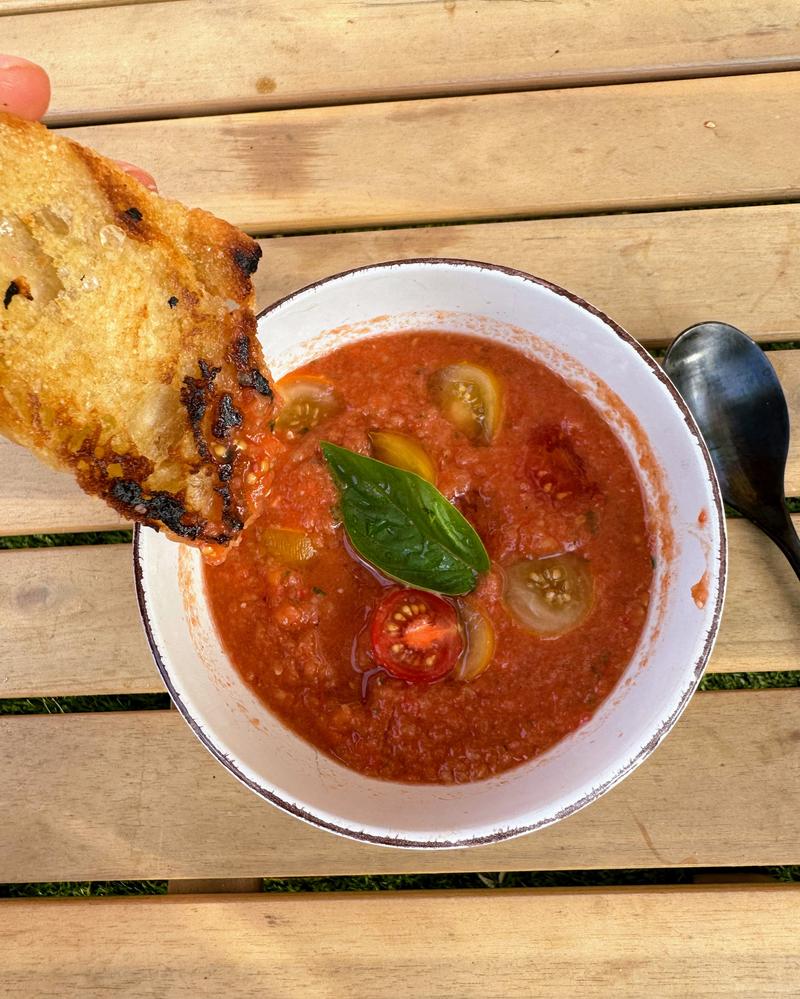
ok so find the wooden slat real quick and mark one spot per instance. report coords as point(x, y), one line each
point(760, 627)
point(134, 795)
point(36, 499)
point(588, 150)
point(667, 942)
point(655, 273)
point(69, 624)
point(162, 60)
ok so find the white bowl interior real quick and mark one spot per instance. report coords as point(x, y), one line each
point(683, 502)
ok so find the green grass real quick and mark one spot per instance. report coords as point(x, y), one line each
point(64, 540)
point(750, 681)
point(790, 873)
point(780, 345)
point(81, 889)
point(72, 705)
point(511, 879)
point(470, 881)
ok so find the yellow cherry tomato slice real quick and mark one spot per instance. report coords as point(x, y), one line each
point(471, 398)
point(479, 641)
point(286, 545)
point(550, 596)
point(307, 401)
point(402, 452)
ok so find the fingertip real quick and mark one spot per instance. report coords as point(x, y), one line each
point(24, 87)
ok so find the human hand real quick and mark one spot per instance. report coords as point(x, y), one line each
point(25, 91)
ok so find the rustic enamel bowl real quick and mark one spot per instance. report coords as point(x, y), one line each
point(602, 362)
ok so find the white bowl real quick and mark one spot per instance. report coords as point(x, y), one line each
point(604, 363)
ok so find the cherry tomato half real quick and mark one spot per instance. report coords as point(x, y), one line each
point(471, 398)
point(550, 596)
point(415, 635)
point(306, 401)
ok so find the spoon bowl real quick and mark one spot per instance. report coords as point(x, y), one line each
point(736, 398)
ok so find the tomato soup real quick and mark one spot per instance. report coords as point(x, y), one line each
point(412, 686)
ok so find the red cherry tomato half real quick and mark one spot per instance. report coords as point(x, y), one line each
point(415, 635)
point(554, 466)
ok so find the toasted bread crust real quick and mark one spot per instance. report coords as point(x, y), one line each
point(128, 352)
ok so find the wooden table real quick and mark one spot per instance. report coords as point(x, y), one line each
point(645, 155)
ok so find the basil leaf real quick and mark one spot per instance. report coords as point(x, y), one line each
point(404, 526)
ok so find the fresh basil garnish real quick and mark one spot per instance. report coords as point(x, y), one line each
point(404, 526)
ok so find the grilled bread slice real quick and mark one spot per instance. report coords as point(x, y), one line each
point(127, 340)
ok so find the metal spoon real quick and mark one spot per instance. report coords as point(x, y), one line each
point(736, 398)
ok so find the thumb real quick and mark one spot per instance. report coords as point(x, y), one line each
point(24, 87)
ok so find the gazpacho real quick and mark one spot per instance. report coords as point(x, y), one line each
point(453, 567)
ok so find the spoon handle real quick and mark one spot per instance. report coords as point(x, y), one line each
point(785, 537)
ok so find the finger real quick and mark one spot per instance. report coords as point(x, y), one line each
point(138, 174)
point(24, 87)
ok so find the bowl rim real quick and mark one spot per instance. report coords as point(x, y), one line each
point(718, 556)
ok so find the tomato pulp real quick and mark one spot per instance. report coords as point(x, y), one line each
point(557, 502)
